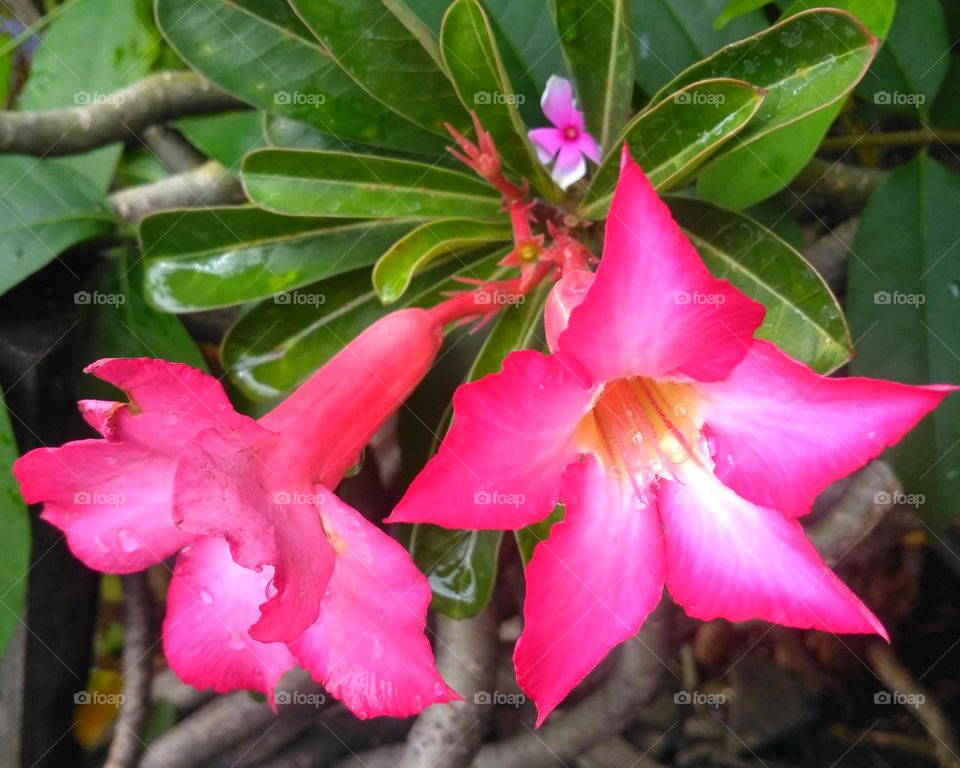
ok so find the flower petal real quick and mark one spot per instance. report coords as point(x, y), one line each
point(210, 604)
point(368, 647)
point(782, 433)
point(557, 101)
point(730, 559)
point(590, 585)
point(547, 142)
point(226, 486)
point(570, 166)
point(589, 147)
point(113, 501)
point(654, 309)
point(500, 466)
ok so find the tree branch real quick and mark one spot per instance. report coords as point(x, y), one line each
point(101, 119)
point(208, 184)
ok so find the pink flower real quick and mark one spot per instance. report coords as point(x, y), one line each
point(567, 142)
point(273, 569)
point(683, 449)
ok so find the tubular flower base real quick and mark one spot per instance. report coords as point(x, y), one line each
point(273, 569)
point(682, 448)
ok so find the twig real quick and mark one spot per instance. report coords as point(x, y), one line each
point(829, 254)
point(208, 184)
point(921, 137)
point(899, 679)
point(111, 117)
point(597, 717)
point(126, 745)
point(170, 148)
point(387, 756)
point(449, 735)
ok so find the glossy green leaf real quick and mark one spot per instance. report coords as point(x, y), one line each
point(529, 29)
point(461, 566)
point(734, 9)
point(259, 51)
point(83, 60)
point(946, 109)
point(913, 61)
point(390, 52)
point(528, 538)
point(44, 209)
point(428, 242)
point(803, 317)
point(903, 301)
point(226, 137)
point(215, 257)
point(746, 176)
point(276, 345)
point(670, 35)
point(303, 183)
point(470, 54)
point(804, 63)
point(670, 140)
point(598, 46)
point(14, 536)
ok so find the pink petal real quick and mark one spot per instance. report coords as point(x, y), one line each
point(112, 500)
point(654, 306)
point(782, 433)
point(169, 403)
point(589, 147)
point(500, 465)
point(210, 604)
point(328, 420)
point(565, 296)
point(730, 559)
point(590, 585)
point(225, 486)
point(547, 142)
point(368, 648)
point(570, 166)
point(557, 102)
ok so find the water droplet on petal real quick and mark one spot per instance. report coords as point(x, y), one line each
point(377, 650)
point(271, 590)
point(656, 466)
point(636, 438)
point(236, 642)
point(680, 409)
point(128, 540)
point(206, 597)
point(707, 445)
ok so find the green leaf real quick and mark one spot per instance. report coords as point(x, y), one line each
point(14, 536)
point(804, 63)
point(946, 109)
point(913, 61)
point(597, 43)
point(734, 9)
point(226, 137)
point(206, 258)
point(259, 51)
point(391, 54)
point(903, 301)
point(46, 208)
point(83, 59)
point(528, 538)
point(303, 183)
point(671, 139)
point(277, 345)
point(428, 242)
point(670, 35)
point(470, 54)
point(803, 317)
point(124, 325)
point(461, 566)
point(746, 176)
point(528, 28)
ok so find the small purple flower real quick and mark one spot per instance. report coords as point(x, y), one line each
point(567, 142)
